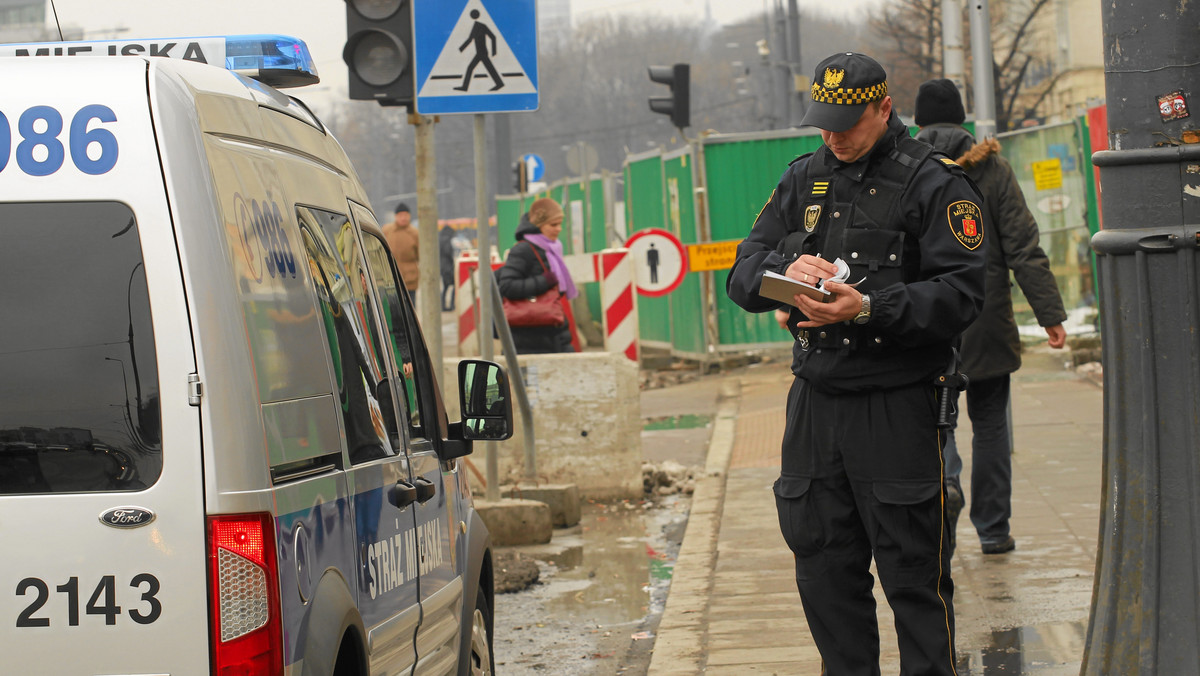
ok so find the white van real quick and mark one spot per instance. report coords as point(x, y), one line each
point(222, 444)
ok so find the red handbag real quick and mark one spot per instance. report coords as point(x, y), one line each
point(544, 309)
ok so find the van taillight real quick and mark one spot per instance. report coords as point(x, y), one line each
point(243, 599)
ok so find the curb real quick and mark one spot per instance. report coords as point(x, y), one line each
point(681, 644)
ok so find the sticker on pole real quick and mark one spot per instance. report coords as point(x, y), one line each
point(475, 56)
point(659, 259)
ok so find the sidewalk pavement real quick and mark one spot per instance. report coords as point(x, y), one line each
point(733, 608)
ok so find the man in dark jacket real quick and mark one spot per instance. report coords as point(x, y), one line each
point(991, 346)
point(446, 265)
point(861, 461)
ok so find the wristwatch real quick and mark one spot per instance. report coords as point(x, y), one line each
point(864, 315)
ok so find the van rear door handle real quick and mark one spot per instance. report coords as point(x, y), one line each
point(425, 489)
point(402, 494)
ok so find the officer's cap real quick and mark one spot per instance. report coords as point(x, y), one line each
point(843, 85)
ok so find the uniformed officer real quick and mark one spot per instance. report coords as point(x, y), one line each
point(862, 464)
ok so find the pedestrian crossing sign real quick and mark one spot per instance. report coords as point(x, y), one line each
point(475, 56)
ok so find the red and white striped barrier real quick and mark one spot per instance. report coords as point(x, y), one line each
point(613, 268)
point(465, 304)
point(466, 300)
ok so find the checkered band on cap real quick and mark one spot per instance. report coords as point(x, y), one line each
point(849, 97)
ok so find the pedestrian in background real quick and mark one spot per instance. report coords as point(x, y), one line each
point(861, 473)
point(401, 236)
point(446, 265)
point(534, 265)
point(991, 346)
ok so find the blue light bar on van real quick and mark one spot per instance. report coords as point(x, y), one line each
point(276, 60)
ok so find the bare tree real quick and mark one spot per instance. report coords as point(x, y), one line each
point(911, 34)
point(595, 86)
point(1010, 74)
point(379, 143)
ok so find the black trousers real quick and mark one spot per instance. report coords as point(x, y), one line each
point(862, 478)
point(991, 458)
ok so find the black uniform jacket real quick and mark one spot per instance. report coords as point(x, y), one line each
point(923, 268)
point(991, 346)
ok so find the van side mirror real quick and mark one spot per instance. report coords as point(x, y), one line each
point(484, 400)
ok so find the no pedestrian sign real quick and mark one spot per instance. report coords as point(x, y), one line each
point(658, 259)
point(475, 56)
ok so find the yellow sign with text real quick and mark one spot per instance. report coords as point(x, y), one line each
point(1047, 175)
point(712, 255)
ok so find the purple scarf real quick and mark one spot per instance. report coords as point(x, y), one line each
point(554, 258)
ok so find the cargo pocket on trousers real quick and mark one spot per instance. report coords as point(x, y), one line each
point(799, 523)
point(908, 532)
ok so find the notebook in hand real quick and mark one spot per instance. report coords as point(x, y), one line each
point(784, 289)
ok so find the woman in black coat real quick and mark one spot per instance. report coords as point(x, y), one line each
point(534, 265)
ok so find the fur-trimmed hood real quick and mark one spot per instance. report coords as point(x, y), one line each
point(978, 153)
point(959, 144)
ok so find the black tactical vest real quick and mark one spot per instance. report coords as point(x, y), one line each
point(864, 229)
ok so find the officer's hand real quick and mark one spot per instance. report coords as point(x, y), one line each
point(846, 304)
point(1057, 335)
point(781, 317)
point(810, 269)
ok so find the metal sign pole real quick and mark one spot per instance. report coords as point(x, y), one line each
point(484, 328)
point(983, 85)
point(429, 277)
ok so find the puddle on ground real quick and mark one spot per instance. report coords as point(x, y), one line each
point(1047, 650)
point(601, 594)
point(610, 570)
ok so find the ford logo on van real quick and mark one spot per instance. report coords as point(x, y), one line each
point(127, 517)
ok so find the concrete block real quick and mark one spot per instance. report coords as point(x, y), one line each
point(586, 420)
point(563, 500)
point(516, 522)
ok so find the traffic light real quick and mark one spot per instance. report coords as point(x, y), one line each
point(678, 104)
point(379, 40)
point(521, 176)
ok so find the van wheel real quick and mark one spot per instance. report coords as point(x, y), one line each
point(347, 663)
point(482, 661)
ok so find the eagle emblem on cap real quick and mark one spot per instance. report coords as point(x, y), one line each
point(833, 78)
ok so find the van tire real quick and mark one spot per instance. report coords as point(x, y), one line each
point(482, 660)
point(347, 662)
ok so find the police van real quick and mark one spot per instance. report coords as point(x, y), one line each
point(222, 444)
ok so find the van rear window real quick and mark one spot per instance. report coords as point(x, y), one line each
point(79, 402)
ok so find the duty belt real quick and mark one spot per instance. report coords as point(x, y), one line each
point(839, 337)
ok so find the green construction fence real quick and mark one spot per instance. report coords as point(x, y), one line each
point(713, 189)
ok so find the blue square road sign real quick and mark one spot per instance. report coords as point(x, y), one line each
point(475, 56)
